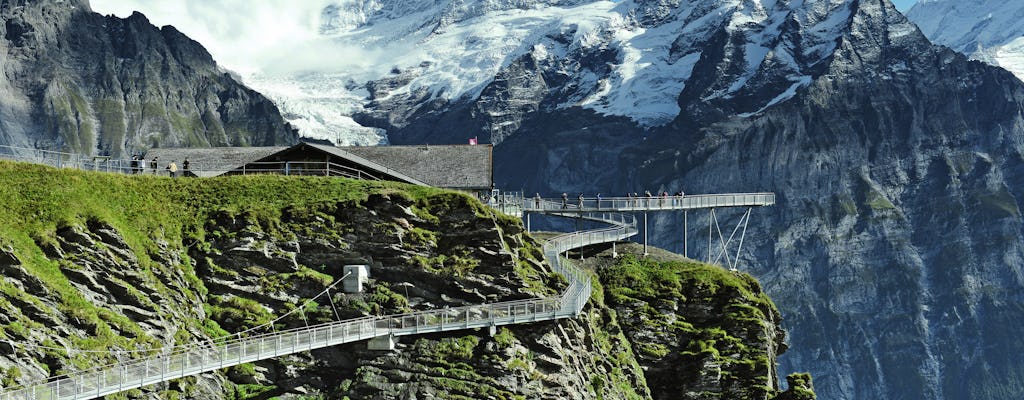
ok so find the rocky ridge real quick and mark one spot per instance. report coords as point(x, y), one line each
point(185, 266)
point(76, 81)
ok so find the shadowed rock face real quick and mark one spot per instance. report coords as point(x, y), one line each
point(77, 81)
point(895, 251)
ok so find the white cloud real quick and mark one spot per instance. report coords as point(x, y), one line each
point(242, 35)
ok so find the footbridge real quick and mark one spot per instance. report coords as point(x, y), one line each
point(581, 206)
point(183, 361)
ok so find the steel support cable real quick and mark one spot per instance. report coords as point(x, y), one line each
point(725, 243)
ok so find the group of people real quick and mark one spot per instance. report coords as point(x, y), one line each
point(663, 198)
point(632, 200)
point(138, 165)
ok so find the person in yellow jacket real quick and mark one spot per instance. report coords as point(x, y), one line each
point(172, 168)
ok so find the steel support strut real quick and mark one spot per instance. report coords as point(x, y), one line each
point(685, 241)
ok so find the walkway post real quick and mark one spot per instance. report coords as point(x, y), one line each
point(685, 242)
point(645, 233)
point(711, 216)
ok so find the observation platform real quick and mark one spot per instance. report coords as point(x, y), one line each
point(645, 204)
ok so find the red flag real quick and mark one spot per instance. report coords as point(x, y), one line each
point(473, 140)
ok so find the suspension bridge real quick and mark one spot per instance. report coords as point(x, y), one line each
point(187, 360)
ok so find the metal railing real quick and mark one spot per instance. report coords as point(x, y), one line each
point(289, 168)
point(185, 361)
point(510, 203)
point(149, 167)
point(653, 203)
point(64, 160)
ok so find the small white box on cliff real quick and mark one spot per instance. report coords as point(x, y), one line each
point(354, 278)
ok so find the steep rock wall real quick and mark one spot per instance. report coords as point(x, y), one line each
point(76, 81)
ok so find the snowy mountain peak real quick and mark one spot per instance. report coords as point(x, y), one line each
point(633, 59)
point(986, 30)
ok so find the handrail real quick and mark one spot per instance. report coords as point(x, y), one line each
point(145, 167)
point(652, 203)
point(203, 357)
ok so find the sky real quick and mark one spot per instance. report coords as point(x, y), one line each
point(274, 30)
point(904, 5)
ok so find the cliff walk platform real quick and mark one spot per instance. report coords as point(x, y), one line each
point(646, 204)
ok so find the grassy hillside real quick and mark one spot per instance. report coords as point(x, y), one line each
point(154, 215)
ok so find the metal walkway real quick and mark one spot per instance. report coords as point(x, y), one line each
point(583, 207)
point(185, 361)
point(642, 204)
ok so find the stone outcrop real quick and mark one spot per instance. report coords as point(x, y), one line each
point(76, 81)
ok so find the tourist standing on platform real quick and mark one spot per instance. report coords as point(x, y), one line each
point(598, 201)
point(172, 169)
point(647, 198)
point(134, 164)
point(536, 200)
point(579, 201)
point(565, 200)
point(184, 166)
point(153, 164)
point(636, 199)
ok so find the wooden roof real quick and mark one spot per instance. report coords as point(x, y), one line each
point(375, 169)
point(446, 166)
point(210, 161)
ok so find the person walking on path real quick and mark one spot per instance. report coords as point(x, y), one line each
point(172, 169)
point(565, 200)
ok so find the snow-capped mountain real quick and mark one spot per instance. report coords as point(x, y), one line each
point(642, 52)
point(988, 30)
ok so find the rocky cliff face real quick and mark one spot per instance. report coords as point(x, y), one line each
point(77, 81)
point(895, 249)
point(184, 264)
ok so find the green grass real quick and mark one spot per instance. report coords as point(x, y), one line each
point(157, 215)
point(635, 278)
point(724, 334)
